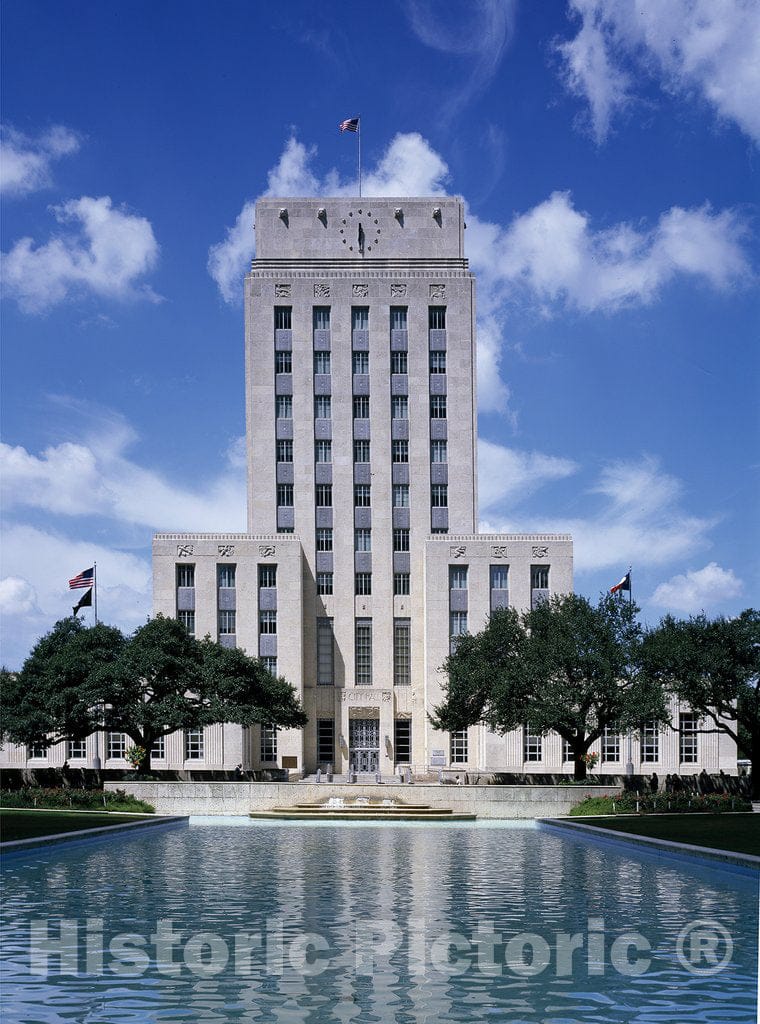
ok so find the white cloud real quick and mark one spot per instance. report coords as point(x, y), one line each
point(409, 167)
point(698, 590)
point(507, 476)
point(25, 163)
point(17, 596)
point(478, 31)
point(39, 564)
point(107, 251)
point(94, 477)
point(639, 519)
point(552, 253)
point(707, 47)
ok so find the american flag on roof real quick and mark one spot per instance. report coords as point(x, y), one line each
point(82, 579)
point(351, 124)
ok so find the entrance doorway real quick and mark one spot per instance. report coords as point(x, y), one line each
point(364, 744)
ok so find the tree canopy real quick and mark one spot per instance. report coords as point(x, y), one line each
point(147, 685)
point(566, 665)
point(713, 665)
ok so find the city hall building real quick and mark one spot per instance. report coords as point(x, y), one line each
point(362, 562)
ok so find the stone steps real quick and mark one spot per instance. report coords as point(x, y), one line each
point(364, 812)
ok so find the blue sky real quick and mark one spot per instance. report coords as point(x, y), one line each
point(607, 153)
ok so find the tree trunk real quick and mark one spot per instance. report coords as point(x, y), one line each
point(755, 767)
point(579, 768)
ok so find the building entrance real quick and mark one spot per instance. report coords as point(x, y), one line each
point(364, 744)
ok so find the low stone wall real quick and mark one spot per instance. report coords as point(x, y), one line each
point(242, 797)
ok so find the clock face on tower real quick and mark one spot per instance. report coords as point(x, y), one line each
point(359, 231)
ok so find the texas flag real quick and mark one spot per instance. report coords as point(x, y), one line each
point(624, 584)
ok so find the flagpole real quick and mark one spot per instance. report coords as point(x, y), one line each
point(359, 146)
point(629, 764)
point(95, 589)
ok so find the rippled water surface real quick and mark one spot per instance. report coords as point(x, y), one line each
point(320, 923)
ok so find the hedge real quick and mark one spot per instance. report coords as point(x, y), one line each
point(76, 799)
point(661, 803)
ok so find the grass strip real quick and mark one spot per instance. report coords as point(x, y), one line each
point(738, 833)
point(29, 824)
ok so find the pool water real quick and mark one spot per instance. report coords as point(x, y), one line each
point(231, 920)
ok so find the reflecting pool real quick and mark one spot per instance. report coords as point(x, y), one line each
point(231, 920)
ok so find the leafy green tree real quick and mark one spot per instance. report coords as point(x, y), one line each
point(566, 666)
point(713, 665)
point(147, 685)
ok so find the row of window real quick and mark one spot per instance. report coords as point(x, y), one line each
point(439, 451)
point(283, 363)
point(283, 407)
point(320, 319)
point(611, 744)
point(323, 493)
point(117, 744)
point(402, 741)
point(225, 575)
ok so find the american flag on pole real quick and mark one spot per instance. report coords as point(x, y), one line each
point(82, 579)
point(351, 124)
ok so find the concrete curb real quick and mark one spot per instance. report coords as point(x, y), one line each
point(745, 860)
point(88, 833)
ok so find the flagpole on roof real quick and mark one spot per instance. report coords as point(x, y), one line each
point(359, 147)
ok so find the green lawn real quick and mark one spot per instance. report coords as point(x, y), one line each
point(23, 824)
point(739, 833)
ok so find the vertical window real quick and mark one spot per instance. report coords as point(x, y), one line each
point(116, 745)
point(438, 407)
point(650, 742)
point(361, 407)
point(267, 621)
point(37, 750)
point(439, 451)
point(610, 744)
point(567, 754)
point(532, 745)
point(194, 746)
point(285, 495)
point(361, 451)
point(399, 362)
point(363, 652)
point(401, 495)
point(268, 744)
point(402, 741)
point(457, 629)
point(457, 577)
point(226, 622)
point(362, 539)
point(187, 617)
point(321, 362)
point(398, 318)
point(324, 583)
point(158, 750)
point(499, 577)
point(437, 318)
point(401, 539)
point(439, 496)
point(269, 662)
point(283, 318)
point(688, 737)
point(324, 538)
point(360, 362)
point(399, 451)
point(321, 318)
point(458, 752)
point(325, 652)
point(322, 407)
point(360, 318)
point(225, 575)
point(325, 740)
point(438, 361)
point(402, 672)
point(283, 362)
point(363, 583)
point(185, 575)
point(283, 407)
point(76, 750)
point(323, 495)
point(539, 577)
point(401, 583)
point(284, 451)
point(323, 451)
point(267, 576)
point(362, 495)
point(399, 407)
